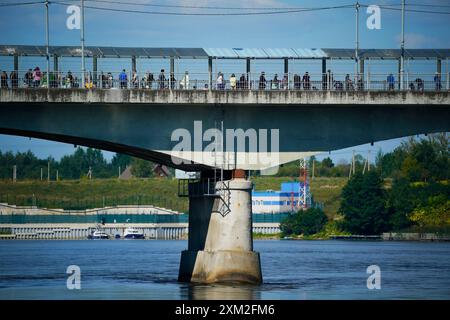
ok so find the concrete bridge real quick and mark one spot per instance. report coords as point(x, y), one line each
point(142, 123)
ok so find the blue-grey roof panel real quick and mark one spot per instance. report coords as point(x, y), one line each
point(221, 52)
point(340, 53)
point(191, 53)
point(251, 53)
point(281, 53)
point(310, 53)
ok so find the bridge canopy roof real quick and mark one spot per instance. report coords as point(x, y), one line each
point(388, 53)
point(106, 52)
point(223, 53)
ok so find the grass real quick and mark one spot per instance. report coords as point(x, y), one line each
point(75, 194)
point(78, 194)
point(263, 236)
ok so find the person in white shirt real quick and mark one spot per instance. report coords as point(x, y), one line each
point(233, 82)
point(184, 83)
point(220, 81)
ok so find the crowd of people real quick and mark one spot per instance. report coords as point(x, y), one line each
point(35, 78)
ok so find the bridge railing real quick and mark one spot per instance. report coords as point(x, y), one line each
point(205, 81)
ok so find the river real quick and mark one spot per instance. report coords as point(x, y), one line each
point(148, 269)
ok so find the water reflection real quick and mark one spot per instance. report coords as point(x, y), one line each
point(221, 292)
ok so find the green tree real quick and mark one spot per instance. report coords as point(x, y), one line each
point(142, 168)
point(121, 160)
point(306, 222)
point(327, 163)
point(434, 213)
point(402, 199)
point(363, 205)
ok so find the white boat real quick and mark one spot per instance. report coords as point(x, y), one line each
point(98, 234)
point(133, 233)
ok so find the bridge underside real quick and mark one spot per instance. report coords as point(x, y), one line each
point(145, 130)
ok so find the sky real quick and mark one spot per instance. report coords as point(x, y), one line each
point(334, 28)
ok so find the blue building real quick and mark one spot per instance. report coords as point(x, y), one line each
point(290, 198)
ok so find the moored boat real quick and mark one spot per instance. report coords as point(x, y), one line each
point(133, 233)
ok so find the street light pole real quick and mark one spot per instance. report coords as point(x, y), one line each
point(357, 39)
point(47, 40)
point(82, 44)
point(402, 57)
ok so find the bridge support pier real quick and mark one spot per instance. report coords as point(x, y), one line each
point(220, 247)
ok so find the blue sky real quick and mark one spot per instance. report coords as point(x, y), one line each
point(331, 28)
point(319, 29)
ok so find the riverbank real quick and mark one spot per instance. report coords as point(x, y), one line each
point(389, 236)
point(161, 192)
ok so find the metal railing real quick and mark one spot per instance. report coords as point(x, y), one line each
point(240, 82)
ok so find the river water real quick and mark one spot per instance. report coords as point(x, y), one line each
point(141, 269)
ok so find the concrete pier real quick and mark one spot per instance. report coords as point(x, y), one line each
point(220, 247)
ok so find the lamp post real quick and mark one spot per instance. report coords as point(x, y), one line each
point(402, 56)
point(47, 44)
point(357, 5)
point(82, 44)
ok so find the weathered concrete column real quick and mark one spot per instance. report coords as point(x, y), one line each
point(439, 66)
point(220, 247)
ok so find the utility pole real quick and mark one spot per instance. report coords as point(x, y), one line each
point(357, 5)
point(42, 171)
point(350, 170)
point(14, 173)
point(47, 38)
point(82, 44)
point(368, 161)
point(402, 57)
point(48, 171)
point(57, 175)
point(353, 162)
point(119, 172)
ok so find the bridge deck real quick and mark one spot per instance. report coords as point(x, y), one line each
point(283, 97)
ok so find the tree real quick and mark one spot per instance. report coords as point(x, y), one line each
point(121, 160)
point(327, 163)
point(363, 205)
point(435, 213)
point(306, 222)
point(402, 199)
point(142, 168)
point(420, 169)
point(418, 160)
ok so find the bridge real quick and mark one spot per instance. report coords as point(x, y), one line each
point(222, 131)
